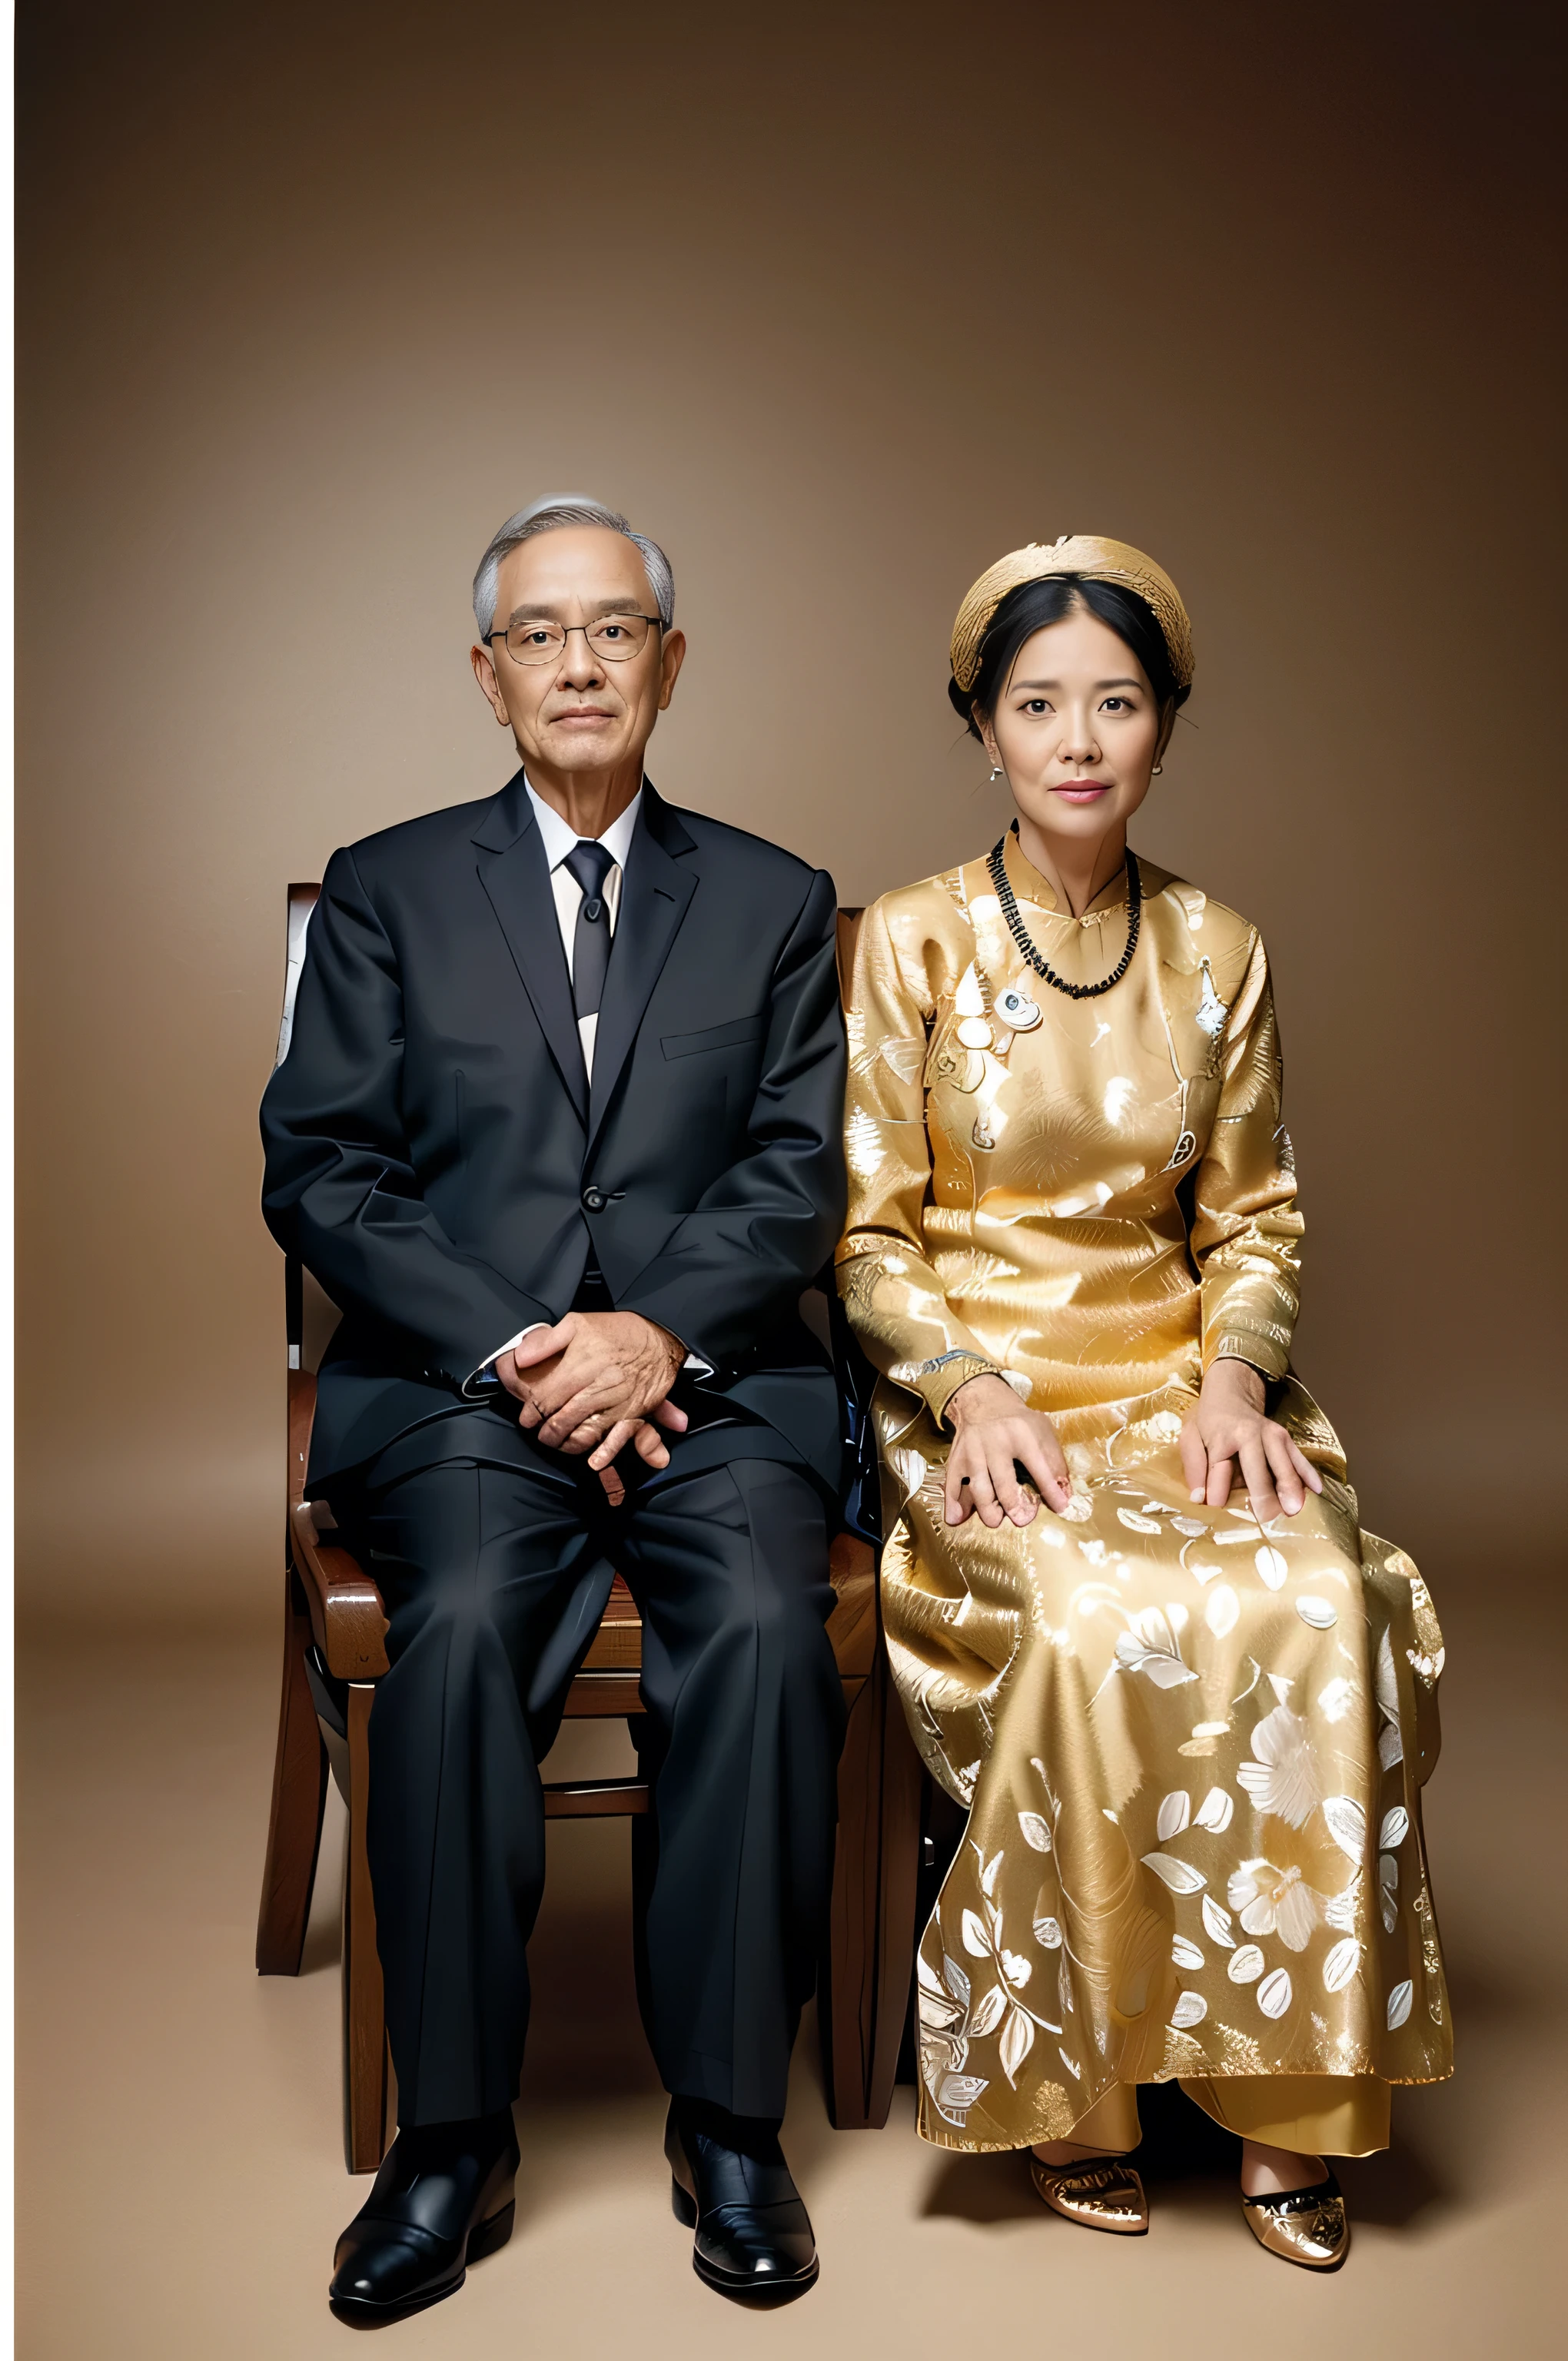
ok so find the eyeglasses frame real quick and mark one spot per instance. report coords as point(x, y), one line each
point(625, 614)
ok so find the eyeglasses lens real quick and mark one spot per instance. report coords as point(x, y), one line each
point(613, 638)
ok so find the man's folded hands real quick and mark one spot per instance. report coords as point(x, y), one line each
point(595, 1382)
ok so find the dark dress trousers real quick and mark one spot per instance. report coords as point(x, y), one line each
point(437, 1156)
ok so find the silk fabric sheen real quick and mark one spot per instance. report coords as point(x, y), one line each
point(1191, 1749)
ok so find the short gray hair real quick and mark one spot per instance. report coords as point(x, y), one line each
point(545, 516)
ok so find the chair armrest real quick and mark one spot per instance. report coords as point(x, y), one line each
point(348, 1619)
point(348, 1622)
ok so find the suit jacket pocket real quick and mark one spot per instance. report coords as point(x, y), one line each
point(715, 1036)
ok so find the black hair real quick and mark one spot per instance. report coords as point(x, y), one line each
point(1033, 605)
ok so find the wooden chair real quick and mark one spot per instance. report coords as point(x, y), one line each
point(334, 1654)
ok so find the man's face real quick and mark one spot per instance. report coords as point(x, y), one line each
point(580, 711)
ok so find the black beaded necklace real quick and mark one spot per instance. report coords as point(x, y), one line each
point(1036, 960)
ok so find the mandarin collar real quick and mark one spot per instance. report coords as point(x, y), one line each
point(1029, 885)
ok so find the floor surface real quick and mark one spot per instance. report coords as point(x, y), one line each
point(179, 2158)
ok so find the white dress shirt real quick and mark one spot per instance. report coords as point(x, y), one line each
point(559, 841)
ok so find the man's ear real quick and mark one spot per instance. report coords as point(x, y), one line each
point(671, 656)
point(485, 674)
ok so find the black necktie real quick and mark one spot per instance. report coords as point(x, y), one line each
point(590, 864)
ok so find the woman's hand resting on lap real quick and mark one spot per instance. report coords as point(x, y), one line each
point(1228, 1434)
point(990, 1429)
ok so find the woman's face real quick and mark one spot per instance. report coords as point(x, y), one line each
point(1077, 728)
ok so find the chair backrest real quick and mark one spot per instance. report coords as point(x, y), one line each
point(303, 900)
point(849, 934)
point(309, 1315)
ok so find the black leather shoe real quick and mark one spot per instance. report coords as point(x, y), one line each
point(442, 2200)
point(753, 2235)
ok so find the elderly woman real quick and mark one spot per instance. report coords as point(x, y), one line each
point(1139, 1634)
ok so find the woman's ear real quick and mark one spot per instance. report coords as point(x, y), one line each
point(1167, 726)
point(987, 736)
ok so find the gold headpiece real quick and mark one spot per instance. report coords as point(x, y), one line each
point(1080, 552)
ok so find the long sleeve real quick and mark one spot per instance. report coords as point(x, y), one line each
point(736, 1266)
point(341, 1190)
point(894, 1296)
point(1246, 1232)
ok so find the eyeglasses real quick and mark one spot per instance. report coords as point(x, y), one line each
point(614, 637)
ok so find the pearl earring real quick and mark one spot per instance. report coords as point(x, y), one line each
point(996, 772)
point(1157, 769)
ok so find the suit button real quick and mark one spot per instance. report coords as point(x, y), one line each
point(593, 1201)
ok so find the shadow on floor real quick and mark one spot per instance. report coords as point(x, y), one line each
point(1392, 2190)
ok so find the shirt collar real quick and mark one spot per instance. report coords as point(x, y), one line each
point(560, 839)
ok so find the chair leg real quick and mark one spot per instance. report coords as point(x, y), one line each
point(299, 1793)
point(865, 1983)
point(363, 2013)
point(903, 1785)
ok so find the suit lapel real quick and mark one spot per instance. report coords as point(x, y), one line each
point(513, 873)
point(653, 901)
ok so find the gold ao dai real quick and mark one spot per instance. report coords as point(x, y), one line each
point(1191, 1749)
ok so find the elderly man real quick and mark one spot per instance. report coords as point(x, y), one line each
point(558, 1128)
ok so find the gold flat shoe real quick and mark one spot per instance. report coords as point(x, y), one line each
point(1102, 2192)
point(1303, 2225)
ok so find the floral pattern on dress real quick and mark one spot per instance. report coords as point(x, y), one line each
point(1192, 1749)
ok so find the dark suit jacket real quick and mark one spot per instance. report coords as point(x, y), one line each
point(435, 1158)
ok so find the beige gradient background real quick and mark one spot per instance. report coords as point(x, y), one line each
point(839, 302)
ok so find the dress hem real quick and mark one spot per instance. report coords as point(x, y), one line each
point(1017, 2147)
